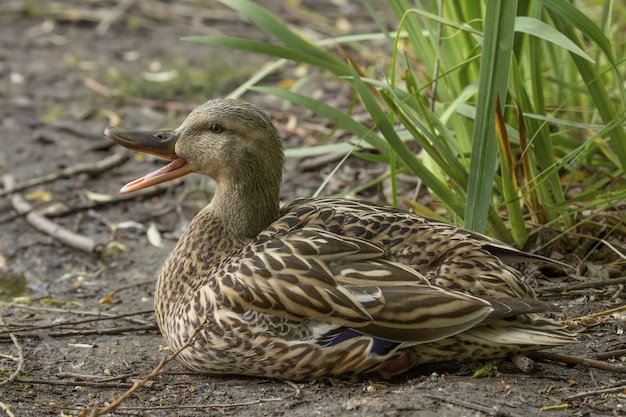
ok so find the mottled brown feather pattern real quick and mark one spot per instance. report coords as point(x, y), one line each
point(273, 292)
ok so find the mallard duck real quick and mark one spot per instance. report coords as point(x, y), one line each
point(322, 287)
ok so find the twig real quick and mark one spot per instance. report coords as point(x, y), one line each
point(113, 15)
point(65, 323)
point(90, 204)
point(200, 406)
point(595, 392)
point(97, 384)
point(294, 386)
point(81, 312)
point(91, 168)
point(115, 199)
point(95, 412)
point(20, 361)
point(47, 226)
point(611, 354)
point(575, 360)
point(85, 332)
point(582, 286)
point(601, 313)
point(99, 378)
point(471, 406)
point(613, 248)
point(6, 409)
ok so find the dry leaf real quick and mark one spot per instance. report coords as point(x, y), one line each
point(160, 77)
point(39, 196)
point(130, 225)
point(286, 83)
point(97, 196)
point(114, 118)
point(114, 248)
point(343, 25)
point(107, 298)
point(154, 236)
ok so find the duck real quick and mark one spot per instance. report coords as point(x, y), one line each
point(323, 287)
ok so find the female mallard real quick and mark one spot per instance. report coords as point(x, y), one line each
point(322, 287)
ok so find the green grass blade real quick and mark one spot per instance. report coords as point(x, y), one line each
point(596, 88)
point(268, 49)
point(534, 27)
point(269, 23)
point(569, 13)
point(379, 117)
point(341, 119)
point(494, 70)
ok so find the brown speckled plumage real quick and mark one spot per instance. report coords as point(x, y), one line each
point(322, 287)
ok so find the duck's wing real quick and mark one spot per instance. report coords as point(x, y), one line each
point(312, 274)
point(331, 207)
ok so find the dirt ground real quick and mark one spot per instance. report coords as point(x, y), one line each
point(83, 325)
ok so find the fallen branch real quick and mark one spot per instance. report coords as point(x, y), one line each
point(576, 360)
point(91, 168)
point(44, 225)
point(57, 211)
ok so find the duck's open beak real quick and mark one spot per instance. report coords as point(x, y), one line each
point(159, 143)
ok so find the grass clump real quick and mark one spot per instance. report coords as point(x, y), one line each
point(518, 106)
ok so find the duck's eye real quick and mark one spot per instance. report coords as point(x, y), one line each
point(216, 128)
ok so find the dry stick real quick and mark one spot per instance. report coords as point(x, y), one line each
point(91, 168)
point(115, 199)
point(96, 384)
point(613, 248)
point(583, 286)
point(86, 332)
point(611, 354)
point(20, 361)
point(9, 357)
point(6, 409)
point(595, 392)
point(113, 15)
point(294, 386)
point(44, 225)
point(81, 312)
point(99, 378)
point(575, 360)
point(95, 412)
point(601, 313)
point(63, 324)
point(200, 406)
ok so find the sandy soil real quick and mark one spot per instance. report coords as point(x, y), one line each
point(86, 331)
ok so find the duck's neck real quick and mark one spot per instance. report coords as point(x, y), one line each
point(245, 209)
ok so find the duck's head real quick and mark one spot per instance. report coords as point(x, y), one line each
point(231, 141)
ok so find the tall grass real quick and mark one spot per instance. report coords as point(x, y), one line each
point(521, 123)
